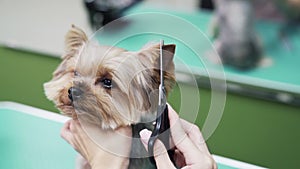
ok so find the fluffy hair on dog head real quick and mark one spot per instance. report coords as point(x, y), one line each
point(108, 86)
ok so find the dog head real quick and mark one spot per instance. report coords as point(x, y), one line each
point(108, 86)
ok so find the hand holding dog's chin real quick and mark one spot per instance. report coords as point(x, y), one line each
point(73, 133)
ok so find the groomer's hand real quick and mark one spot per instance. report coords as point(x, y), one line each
point(191, 151)
point(96, 156)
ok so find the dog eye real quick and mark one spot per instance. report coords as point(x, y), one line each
point(76, 73)
point(107, 83)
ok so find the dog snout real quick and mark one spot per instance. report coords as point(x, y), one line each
point(74, 93)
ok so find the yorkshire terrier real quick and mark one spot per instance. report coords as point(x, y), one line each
point(109, 86)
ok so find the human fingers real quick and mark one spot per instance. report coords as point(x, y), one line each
point(183, 134)
point(195, 135)
point(75, 126)
point(160, 153)
point(179, 136)
point(192, 152)
point(173, 116)
point(65, 132)
point(192, 130)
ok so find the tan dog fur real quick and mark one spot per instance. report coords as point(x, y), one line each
point(134, 76)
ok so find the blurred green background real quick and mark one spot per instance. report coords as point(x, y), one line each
point(251, 130)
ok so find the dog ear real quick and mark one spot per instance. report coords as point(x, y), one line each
point(150, 57)
point(75, 39)
point(168, 66)
point(152, 52)
point(168, 55)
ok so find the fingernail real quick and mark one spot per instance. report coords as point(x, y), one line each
point(145, 135)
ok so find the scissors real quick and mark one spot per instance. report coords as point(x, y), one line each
point(162, 123)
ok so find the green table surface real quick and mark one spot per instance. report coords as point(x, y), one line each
point(31, 142)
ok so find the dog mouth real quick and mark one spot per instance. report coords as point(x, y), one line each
point(70, 108)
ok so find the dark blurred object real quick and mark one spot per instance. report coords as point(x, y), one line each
point(267, 10)
point(206, 4)
point(286, 12)
point(237, 42)
point(290, 9)
point(291, 12)
point(102, 12)
point(278, 10)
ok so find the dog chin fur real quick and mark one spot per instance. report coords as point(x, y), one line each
point(134, 77)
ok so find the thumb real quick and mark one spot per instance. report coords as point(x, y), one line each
point(160, 153)
point(145, 136)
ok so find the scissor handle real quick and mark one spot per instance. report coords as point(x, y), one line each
point(162, 133)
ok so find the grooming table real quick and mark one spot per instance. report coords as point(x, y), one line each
point(30, 139)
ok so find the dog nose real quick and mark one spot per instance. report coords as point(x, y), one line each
point(74, 93)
